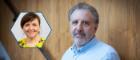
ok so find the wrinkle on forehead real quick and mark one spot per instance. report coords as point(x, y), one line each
point(86, 15)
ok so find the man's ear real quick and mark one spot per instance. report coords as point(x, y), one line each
point(96, 27)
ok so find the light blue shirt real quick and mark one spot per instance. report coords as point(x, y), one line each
point(93, 50)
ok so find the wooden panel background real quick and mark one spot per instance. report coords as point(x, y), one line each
point(119, 26)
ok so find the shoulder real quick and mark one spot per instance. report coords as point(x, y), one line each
point(104, 46)
point(43, 39)
point(21, 42)
point(109, 52)
point(67, 54)
point(40, 43)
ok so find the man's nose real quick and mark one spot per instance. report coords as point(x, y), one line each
point(79, 27)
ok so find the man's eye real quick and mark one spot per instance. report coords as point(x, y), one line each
point(86, 23)
point(74, 22)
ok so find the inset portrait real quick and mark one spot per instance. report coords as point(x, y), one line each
point(31, 30)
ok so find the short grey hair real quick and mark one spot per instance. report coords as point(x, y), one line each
point(85, 6)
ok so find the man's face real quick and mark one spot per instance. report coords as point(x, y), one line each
point(31, 28)
point(82, 26)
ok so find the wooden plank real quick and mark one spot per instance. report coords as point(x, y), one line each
point(119, 26)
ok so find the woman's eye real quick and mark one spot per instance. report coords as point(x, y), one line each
point(34, 24)
point(26, 25)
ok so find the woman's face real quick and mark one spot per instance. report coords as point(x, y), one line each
point(31, 28)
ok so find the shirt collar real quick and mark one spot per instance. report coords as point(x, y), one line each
point(86, 47)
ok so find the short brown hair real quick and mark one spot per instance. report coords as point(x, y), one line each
point(30, 16)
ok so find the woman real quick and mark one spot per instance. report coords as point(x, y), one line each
point(30, 25)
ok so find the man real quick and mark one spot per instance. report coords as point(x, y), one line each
point(84, 21)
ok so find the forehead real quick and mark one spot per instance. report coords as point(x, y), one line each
point(81, 14)
point(33, 21)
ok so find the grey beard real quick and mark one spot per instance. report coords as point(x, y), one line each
point(80, 43)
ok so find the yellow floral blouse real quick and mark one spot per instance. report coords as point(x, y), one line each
point(23, 44)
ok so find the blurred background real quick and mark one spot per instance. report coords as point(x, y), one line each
point(118, 26)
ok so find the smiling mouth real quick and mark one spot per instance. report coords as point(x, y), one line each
point(31, 32)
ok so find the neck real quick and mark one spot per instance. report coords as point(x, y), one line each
point(32, 39)
point(79, 44)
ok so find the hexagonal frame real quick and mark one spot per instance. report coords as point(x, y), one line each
point(18, 33)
